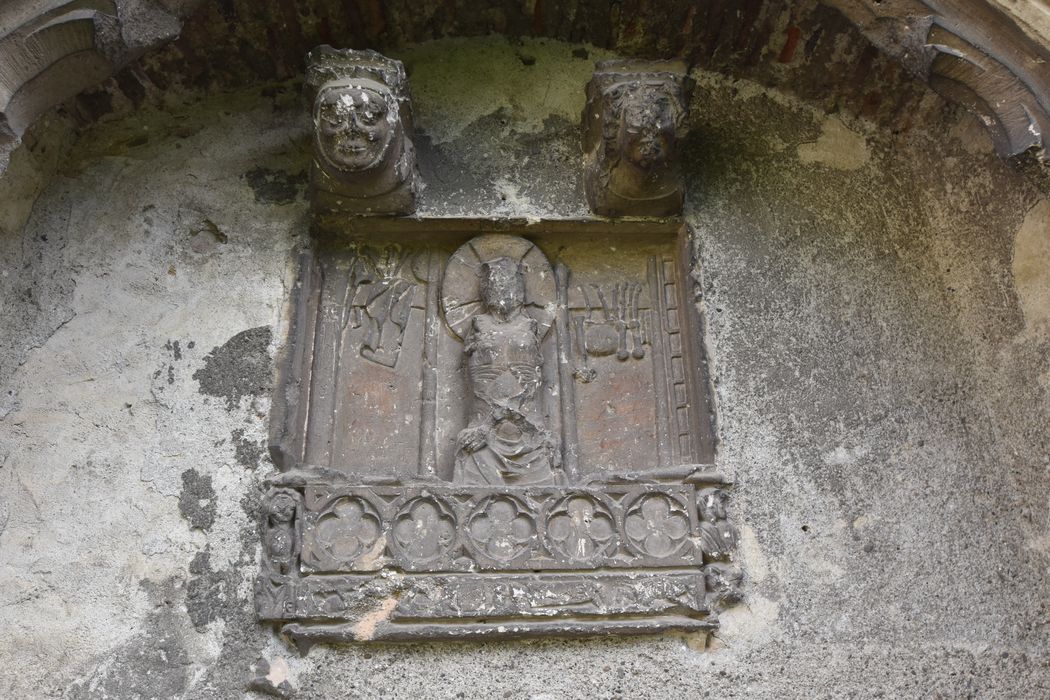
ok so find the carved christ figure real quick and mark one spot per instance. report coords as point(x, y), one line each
point(505, 441)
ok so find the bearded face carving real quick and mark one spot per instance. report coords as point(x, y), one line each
point(647, 130)
point(364, 161)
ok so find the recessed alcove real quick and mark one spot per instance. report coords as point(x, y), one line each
point(877, 360)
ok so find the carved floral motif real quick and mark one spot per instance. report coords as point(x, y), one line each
point(348, 529)
point(635, 539)
point(581, 528)
point(424, 529)
point(501, 528)
point(656, 525)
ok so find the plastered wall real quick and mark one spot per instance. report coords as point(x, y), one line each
point(878, 329)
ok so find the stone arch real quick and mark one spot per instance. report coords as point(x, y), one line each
point(52, 50)
point(988, 56)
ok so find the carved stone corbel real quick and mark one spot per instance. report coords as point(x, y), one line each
point(364, 160)
point(632, 122)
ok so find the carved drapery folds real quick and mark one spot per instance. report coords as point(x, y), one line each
point(498, 295)
point(632, 122)
point(364, 160)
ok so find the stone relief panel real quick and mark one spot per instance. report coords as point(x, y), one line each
point(491, 428)
point(632, 122)
point(510, 425)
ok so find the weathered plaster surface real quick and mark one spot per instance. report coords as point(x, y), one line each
point(878, 342)
point(1031, 261)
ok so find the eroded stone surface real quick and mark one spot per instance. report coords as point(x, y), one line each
point(240, 367)
point(632, 123)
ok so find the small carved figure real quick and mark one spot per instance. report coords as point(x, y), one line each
point(364, 160)
point(381, 296)
point(389, 303)
point(280, 534)
point(631, 124)
point(718, 538)
point(506, 440)
point(724, 584)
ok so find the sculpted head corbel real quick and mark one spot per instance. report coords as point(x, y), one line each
point(632, 123)
point(364, 161)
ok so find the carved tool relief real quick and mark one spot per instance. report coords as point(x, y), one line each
point(610, 324)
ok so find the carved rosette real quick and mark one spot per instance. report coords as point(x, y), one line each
point(501, 528)
point(582, 528)
point(424, 530)
point(341, 535)
point(657, 525)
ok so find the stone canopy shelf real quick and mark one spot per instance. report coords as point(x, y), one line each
point(490, 427)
